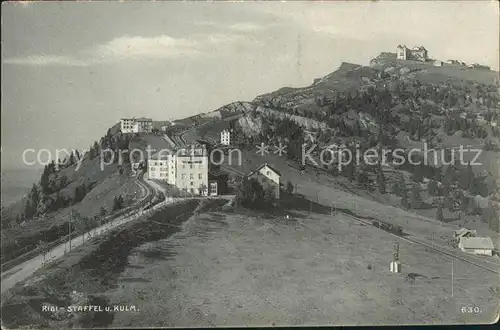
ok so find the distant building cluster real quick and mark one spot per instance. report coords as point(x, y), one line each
point(470, 66)
point(421, 54)
point(415, 53)
point(136, 125)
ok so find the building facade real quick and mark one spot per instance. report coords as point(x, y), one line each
point(268, 177)
point(212, 188)
point(143, 125)
point(158, 167)
point(415, 54)
point(186, 168)
point(127, 125)
point(476, 245)
point(191, 167)
point(136, 125)
point(225, 137)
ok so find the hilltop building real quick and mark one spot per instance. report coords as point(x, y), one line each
point(143, 125)
point(127, 125)
point(136, 125)
point(415, 54)
point(225, 137)
point(268, 177)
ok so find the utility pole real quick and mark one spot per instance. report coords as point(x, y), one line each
point(69, 228)
point(452, 277)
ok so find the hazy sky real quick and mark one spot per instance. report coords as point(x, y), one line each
point(71, 70)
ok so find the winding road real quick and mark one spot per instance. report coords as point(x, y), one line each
point(23, 270)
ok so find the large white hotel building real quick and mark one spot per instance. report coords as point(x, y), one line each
point(185, 168)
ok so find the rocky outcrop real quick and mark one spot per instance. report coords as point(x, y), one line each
point(250, 125)
point(307, 123)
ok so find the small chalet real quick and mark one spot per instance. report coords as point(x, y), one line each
point(464, 232)
point(268, 177)
point(477, 245)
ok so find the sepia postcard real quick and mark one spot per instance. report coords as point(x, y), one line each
point(249, 164)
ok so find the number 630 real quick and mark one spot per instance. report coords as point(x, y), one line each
point(470, 309)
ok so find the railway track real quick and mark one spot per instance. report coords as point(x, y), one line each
point(429, 246)
point(143, 203)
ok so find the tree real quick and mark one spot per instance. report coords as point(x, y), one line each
point(464, 203)
point(362, 179)
point(439, 214)
point(432, 188)
point(80, 192)
point(466, 178)
point(203, 189)
point(71, 159)
point(117, 202)
point(416, 199)
point(417, 175)
point(404, 194)
point(491, 216)
point(250, 194)
point(449, 203)
point(381, 181)
point(269, 197)
point(102, 211)
point(449, 174)
point(289, 187)
point(43, 248)
point(395, 188)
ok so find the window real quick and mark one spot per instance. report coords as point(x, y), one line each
point(191, 176)
point(213, 188)
point(183, 176)
point(199, 176)
point(268, 172)
point(191, 166)
point(192, 183)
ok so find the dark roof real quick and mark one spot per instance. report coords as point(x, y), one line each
point(261, 166)
point(217, 172)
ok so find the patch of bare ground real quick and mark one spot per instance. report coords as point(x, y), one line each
point(85, 275)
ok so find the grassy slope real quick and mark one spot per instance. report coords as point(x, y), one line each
point(338, 192)
point(107, 183)
point(244, 269)
point(91, 269)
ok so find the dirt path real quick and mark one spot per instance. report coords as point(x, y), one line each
point(27, 268)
